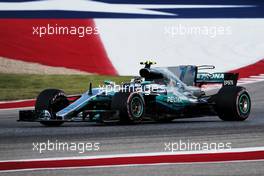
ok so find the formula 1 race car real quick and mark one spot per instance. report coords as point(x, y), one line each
point(160, 94)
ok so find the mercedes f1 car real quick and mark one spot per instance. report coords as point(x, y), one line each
point(161, 94)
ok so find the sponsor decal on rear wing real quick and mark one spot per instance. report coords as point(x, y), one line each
point(227, 79)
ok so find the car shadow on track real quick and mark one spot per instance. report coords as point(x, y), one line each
point(193, 121)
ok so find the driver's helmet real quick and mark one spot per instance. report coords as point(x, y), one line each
point(137, 80)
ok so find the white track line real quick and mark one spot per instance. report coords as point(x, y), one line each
point(23, 108)
point(16, 101)
point(248, 149)
point(235, 150)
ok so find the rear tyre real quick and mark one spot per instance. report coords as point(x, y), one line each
point(233, 104)
point(51, 101)
point(131, 106)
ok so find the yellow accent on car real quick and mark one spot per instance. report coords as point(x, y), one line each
point(149, 62)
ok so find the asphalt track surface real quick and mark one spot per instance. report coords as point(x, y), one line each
point(16, 140)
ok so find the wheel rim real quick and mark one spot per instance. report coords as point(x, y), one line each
point(244, 103)
point(45, 115)
point(136, 107)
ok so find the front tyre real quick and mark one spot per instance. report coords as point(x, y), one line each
point(48, 103)
point(135, 106)
point(131, 106)
point(233, 104)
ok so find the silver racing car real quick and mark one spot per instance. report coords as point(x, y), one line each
point(158, 93)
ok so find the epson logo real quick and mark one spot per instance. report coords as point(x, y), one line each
point(228, 82)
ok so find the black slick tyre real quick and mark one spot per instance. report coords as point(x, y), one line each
point(131, 106)
point(233, 103)
point(52, 101)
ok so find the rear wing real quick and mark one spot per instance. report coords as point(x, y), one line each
point(227, 79)
point(193, 75)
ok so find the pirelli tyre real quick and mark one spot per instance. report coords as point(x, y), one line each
point(48, 103)
point(131, 106)
point(233, 103)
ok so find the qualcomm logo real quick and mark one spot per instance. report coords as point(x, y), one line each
point(94, 6)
